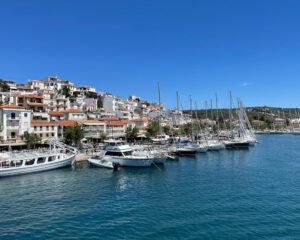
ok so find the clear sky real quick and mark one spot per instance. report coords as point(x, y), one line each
point(125, 47)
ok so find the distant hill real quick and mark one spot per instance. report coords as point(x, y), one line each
point(264, 115)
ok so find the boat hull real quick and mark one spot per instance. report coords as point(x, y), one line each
point(7, 172)
point(235, 145)
point(101, 163)
point(130, 162)
point(186, 152)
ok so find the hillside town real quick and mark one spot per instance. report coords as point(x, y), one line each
point(47, 106)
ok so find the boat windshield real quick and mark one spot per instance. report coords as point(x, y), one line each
point(127, 153)
point(109, 153)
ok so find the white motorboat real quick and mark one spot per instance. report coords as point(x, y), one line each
point(98, 161)
point(162, 139)
point(24, 162)
point(160, 155)
point(123, 154)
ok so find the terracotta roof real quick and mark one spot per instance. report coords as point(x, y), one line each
point(54, 113)
point(116, 123)
point(139, 120)
point(14, 106)
point(72, 111)
point(28, 95)
point(108, 119)
point(67, 123)
point(46, 123)
point(91, 122)
point(36, 104)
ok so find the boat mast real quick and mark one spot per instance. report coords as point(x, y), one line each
point(230, 113)
point(160, 112)
point(211, 109)
point(205, 109)
point(217, 120)
point(191, 112)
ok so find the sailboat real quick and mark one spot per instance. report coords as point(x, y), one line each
point(243, 136)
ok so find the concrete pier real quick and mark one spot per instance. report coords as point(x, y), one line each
point(81, 157)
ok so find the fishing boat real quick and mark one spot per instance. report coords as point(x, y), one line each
point(58, 155)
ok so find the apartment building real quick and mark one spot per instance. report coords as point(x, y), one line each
point(15, 121)
point(74, 114)
point(93, 129)
point(46, 130)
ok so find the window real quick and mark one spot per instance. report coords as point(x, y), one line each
point(128, 153)
point(41, 135)
point(47, 128)
point(12, 135)
point(35, 128)
point(41, 128)
point(52, 127)
point(51, 159)
point(52, 134)
point(29, 162)
point(13, 115)
point(41, 160)
point(19, 163)
point(118, 154)
point(47, 134)
point(25, 114)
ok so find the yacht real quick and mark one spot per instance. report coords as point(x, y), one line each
point(58, 155)
point(160, 154)
point(122, 154)
point(161, 139)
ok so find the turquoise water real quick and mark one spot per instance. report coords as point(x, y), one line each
point(246, 194)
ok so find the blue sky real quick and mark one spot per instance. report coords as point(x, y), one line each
point(125, 47)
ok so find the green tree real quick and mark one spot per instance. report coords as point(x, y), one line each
point(131, 133)
point(167, 130)
point(103, 136)
point(66, 91)
point(99, 102)
point(73, 135)
point(4, 86)
point(152, 128)
point(31, 139)
point(187, 129)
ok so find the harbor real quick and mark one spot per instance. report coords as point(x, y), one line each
point(229, 194)
point(149, 120)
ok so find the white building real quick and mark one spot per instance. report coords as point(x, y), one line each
point(74, 114)
point(89, 104)
point(92, 128)
point(46, 130)
point(15, 121)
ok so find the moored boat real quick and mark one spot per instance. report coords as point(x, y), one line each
point(24, 162)
point(98, 161)
point(123, 154)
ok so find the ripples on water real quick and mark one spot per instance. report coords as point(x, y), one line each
point(246, 194)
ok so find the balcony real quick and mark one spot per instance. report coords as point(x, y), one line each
point(13, 118)
point(12, 128)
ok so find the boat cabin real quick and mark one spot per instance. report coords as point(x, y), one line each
point(33, 161)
